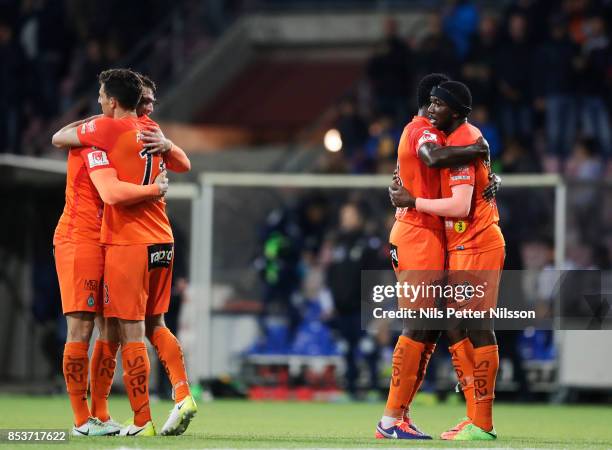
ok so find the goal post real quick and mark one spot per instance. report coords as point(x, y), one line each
point(203, 238)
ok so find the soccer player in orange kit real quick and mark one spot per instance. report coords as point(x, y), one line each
point(474, 241)
point(418, 250)
point(165, 343)
point(138, 238)
point(79, 260)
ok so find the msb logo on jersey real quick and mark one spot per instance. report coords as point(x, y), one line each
point(160, 255)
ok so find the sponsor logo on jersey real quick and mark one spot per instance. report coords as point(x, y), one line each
point(91, 301)
point(106, 296)
point(160, 255)
point(460, 173)
point(97, 158)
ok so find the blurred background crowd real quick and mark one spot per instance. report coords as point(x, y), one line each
point(540, 72)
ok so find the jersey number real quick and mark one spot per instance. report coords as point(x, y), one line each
point(146, 179)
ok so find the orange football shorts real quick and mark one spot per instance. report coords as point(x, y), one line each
point(80, 266)
point(137, 280)
point(416, 248)
point(482, 271)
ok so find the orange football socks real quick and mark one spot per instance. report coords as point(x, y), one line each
point(463, 362)
point(76, 366)
point(171, 356)
point(103, 363)
point(404, 375)
point(486, 364)
point(136, 370)
point(425, 357)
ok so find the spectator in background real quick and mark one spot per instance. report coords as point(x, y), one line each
point(536, 13)
point(45, 40)
point(460, 24)
point(350, 252)
point(354, 133)
point(480, 118)
point(436, 51)
point(555, 78)
point(585, 201)
point(478, 69)
point(516, 159)
point(89, 61)
point(278, 266)
point(11, 89)
point(594, 63)
point(381, 146)
point(313, 220)
point(389, 75)
point(514, 80)
point(584, 164)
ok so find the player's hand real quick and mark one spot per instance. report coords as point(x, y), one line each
point(400, 197)
point(155, 142)
point(396, 179)
point(483, 147)
point(161, 181)
point(490, 192)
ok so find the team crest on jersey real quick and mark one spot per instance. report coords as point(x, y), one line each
point(460, 226)
point(97, 158)
point(160, 255)
point(91, 301)
point(427, 136)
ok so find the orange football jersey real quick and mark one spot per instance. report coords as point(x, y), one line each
point(479, 231)
point(119, 142)
point(82, 216)
point(419, 179)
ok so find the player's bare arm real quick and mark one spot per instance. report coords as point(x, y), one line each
point(77, 123)
point(456, 206)
point(434, 155)
point(116, 192)
point(66, 137)
point(175, 157)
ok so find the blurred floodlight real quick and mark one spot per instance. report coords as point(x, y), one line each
point(332, 140)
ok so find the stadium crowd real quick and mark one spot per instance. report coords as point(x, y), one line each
point(540, 74)
point(53, 51)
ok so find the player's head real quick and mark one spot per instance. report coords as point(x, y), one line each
point(427, 83)
point(119, 88)
point(451, 103)
point(147, 102)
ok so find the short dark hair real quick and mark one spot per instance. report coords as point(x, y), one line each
point(425, 86)
point(461, 93)
point(122, 84)
point(147, 82)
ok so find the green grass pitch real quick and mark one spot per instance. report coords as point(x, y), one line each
point(235, 424)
